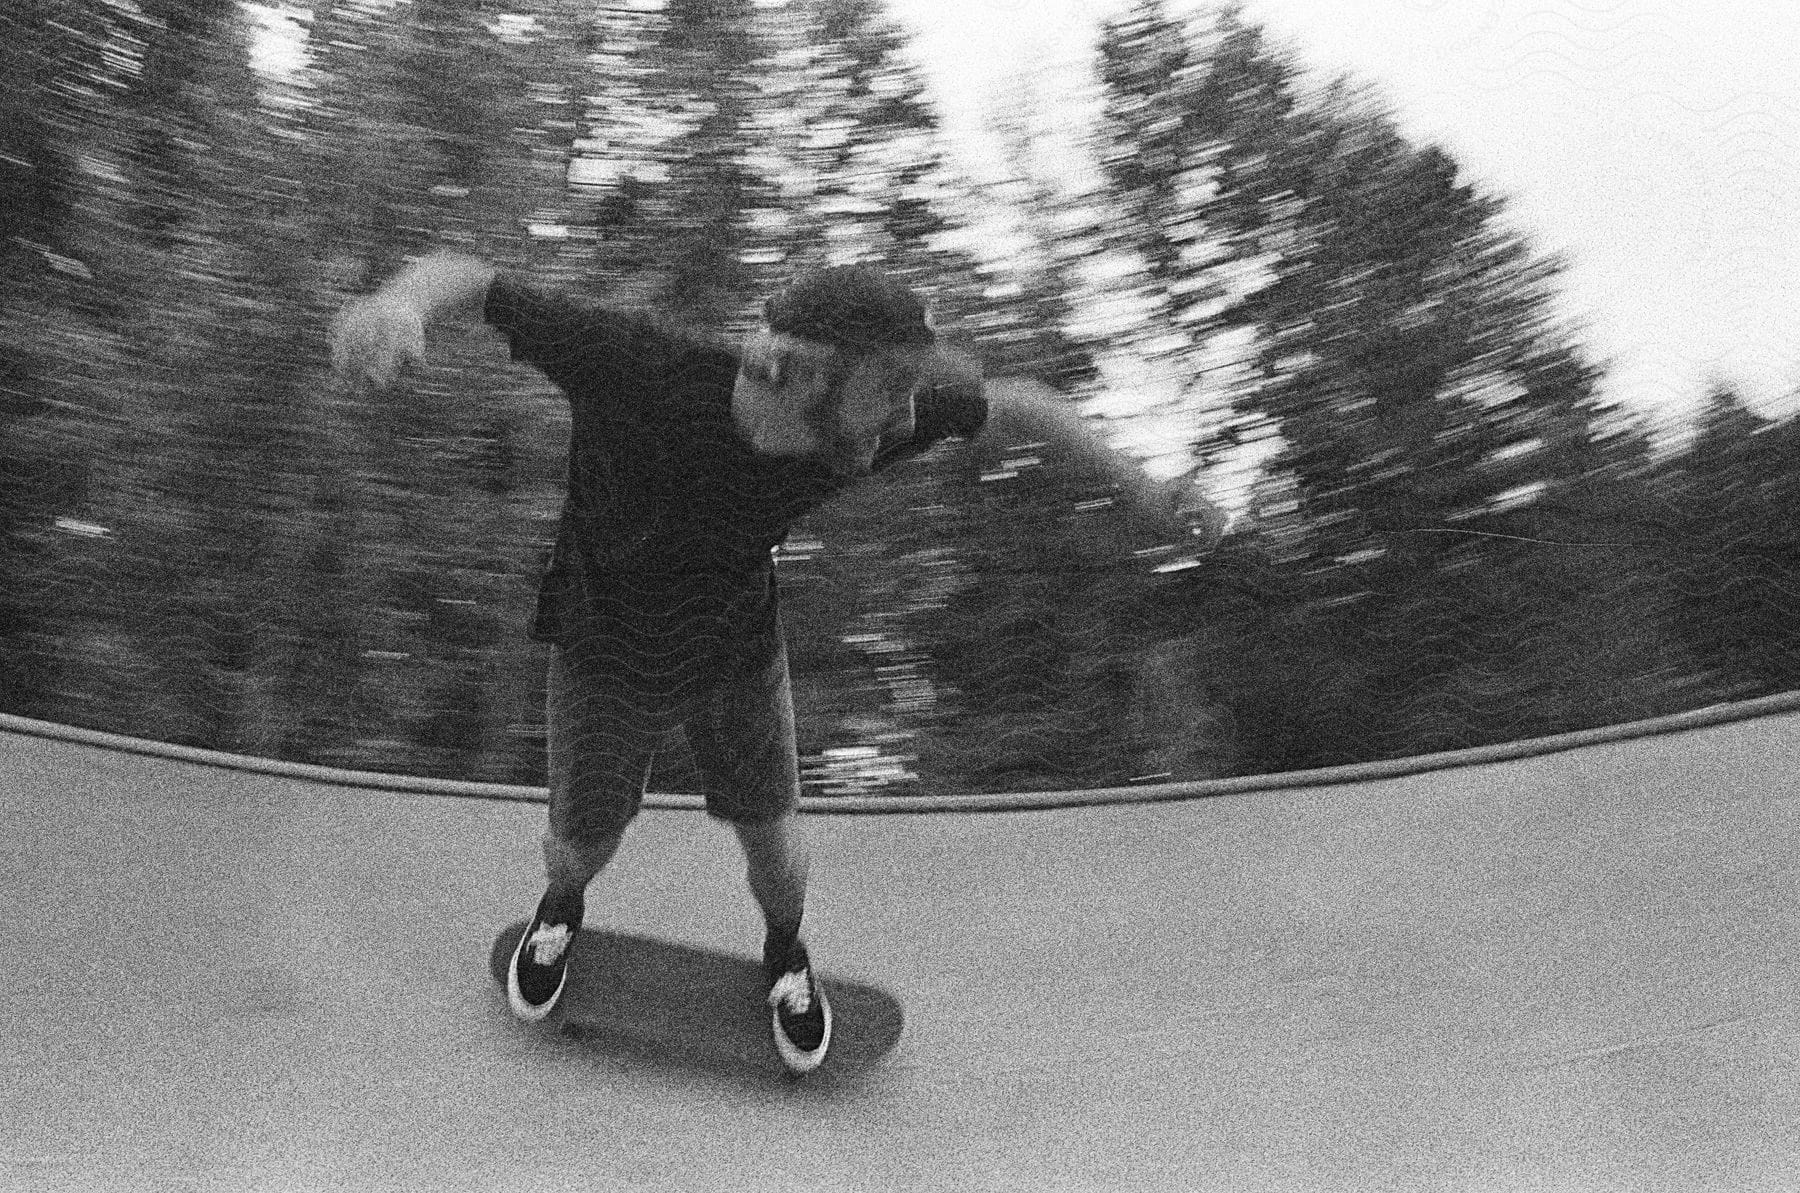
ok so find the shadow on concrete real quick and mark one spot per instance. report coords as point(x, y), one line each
point(699, 1011)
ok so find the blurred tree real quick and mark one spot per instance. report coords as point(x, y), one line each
point(147, 107)
point(849, 139)
point(1033, 323)
point(51, 54)
point(1069, 673)
point(445, 124)
point(1735, 551)
point(205, 538)
point(1155, 164)
point(864, 167)
point(1177, 270)
point(221, 415)
point(167, 109)
point(1406, 359)
point(706, 63)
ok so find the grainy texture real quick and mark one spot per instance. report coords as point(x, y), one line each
point(1570, 971)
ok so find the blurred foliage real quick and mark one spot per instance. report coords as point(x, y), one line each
point(205, 538)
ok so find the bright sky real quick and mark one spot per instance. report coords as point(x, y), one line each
point(1656, 143)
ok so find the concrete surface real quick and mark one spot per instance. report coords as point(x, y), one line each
point(1569, 972)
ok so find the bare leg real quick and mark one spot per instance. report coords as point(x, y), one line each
point(777, 861)
point(569, 867)
point(599, 760)
point(800, 1013)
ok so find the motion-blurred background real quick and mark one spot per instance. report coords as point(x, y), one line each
point(1443, 534)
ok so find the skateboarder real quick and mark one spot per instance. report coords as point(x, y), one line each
point(689, 459)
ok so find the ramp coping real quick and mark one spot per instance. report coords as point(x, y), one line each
point(1012, 801)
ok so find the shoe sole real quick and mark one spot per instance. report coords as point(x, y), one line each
point(515, 998)
point(798, 1062)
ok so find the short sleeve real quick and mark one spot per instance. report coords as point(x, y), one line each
point(954, 403)
point(586, 349)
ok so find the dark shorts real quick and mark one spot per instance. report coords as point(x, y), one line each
point(603, 739)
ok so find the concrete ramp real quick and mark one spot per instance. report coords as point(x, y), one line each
point(1575, 971)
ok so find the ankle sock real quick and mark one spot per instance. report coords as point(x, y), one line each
point(563, 909)
point(778, 943)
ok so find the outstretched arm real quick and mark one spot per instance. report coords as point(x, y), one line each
point(375, 336)
point(1028, 425)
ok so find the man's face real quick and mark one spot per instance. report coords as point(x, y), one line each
point(802, 399)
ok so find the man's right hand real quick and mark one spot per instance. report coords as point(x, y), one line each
point(375, 337)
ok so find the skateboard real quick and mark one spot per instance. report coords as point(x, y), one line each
point(676, 1004)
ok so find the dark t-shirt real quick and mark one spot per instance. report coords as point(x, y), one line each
point(662, 561)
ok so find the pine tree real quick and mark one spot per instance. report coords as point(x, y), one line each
point(1030, 325)
point(1734, 552)
point(1405, 363)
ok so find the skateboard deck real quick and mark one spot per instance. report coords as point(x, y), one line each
point(676, 1004)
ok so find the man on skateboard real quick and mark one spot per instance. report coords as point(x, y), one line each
point(688, 461)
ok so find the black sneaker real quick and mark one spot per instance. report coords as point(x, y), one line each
point(800, 1015)
point(540, 965)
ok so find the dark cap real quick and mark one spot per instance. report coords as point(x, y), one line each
point(849, 306)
